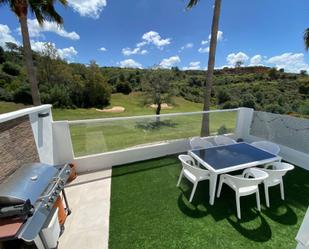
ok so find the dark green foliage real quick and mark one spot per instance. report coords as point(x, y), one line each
point(230, 104)
point(23, 95)
point(304, 108)
point(223, 96)
point(248, 100)
point(273, 74)
point(82, 86)
point(275, 108)
point(2, 56)
point(59, 95)
point(11, 69)
point(222, 130)
point(303, 72)
point(123, 88)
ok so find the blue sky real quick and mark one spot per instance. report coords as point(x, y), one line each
point(144, 33)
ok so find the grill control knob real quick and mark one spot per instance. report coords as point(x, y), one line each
point(51, 199)
point(68, 171)
point(47, 206)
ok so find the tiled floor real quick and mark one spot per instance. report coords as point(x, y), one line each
point(88, 225)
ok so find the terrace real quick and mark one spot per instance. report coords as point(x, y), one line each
point(126, 196)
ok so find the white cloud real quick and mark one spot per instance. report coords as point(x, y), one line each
point(138, 50)
point(150, 37)
point(204, 50)
point(129, 63)
point(90, 8)
point(291, 62)
point(170, 62)
point(153, 37)
point(233, 58)
point(36, 30)
point(187, 46)
point(256, 60)
point(204, 42)
point(63, 53)
point(219, 36)
point(141, 44)
point(67, 53)
point(103, 49)
point(194, 65)
point(5, 35)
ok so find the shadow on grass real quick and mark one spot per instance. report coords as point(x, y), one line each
point(288, 217)
point(261, 233)
point(155, 125)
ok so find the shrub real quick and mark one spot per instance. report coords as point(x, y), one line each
point(223, 96)
point(304, 108)
point(275, 108)
point(2, 57)
point(123, 88)
point(11, 69)
point(222, 130)
point(58, 96)
point(5, 95)
point(273, 74)
point(230, 105)
point(23, 95)
point(303, 72)
point(248, 100)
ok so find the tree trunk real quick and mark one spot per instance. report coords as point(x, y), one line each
point(158, 111)
point(211, 65)
point(29, 60)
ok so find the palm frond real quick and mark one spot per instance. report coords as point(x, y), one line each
point(192, 3)
point(45, 10)
point(306, 38)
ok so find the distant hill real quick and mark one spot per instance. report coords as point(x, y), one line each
point(77, 85)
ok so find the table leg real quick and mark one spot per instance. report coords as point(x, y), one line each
point(212, 188)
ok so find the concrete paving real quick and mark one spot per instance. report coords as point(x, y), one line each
point(88, 225)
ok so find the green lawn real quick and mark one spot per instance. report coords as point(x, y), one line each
point(148, 211)
point(108, 136)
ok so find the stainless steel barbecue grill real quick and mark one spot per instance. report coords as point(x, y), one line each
point(30, 194)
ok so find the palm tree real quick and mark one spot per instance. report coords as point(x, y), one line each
point(211, 62)
point(306, 38)
point(43, 10)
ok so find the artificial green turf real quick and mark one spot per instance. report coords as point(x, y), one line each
point(148, 211)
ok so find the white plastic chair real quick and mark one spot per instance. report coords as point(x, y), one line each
point(192, 173)
point(224, 140)
point(267, 146)
point(243, 185)
point(275, 178)
point(200, 143)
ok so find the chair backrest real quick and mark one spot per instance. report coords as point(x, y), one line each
point(189, 164)
point(224, 140)
point(277, 171)
point(267, 146)
point(200, 143)
point(250, 177)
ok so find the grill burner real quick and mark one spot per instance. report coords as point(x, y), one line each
point(30, 194)
point(25, 209)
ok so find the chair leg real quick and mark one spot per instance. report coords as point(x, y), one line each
point(258, 204)
point(180, 177)
point(193, 191)
point(282, 190)
point(266, 195)
point(238, 206)
point(220, 188)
